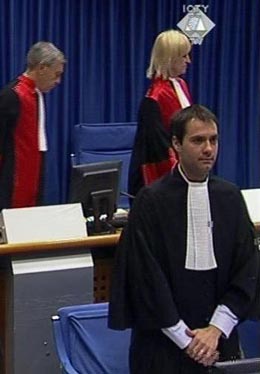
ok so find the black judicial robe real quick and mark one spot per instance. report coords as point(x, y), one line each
point(151, 288)
point(21, 162)
point(152, 154)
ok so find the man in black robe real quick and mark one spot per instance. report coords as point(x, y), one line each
point(23, 141)
point(186, 268)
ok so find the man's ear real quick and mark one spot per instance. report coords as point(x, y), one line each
point(41, 68)
point(176, 144)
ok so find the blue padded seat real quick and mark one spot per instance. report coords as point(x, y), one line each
point(249, 334)
point(84, 343)
point(104, 142)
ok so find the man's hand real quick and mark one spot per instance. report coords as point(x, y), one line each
point(203, 347)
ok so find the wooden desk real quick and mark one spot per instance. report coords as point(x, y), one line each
point(8, 252)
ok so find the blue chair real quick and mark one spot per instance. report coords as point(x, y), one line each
point(84, 343)
point(249, 333)
point(104, 142)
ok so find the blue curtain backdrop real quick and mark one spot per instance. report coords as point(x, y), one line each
point(107, 44)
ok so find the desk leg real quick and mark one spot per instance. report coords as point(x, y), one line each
point(103, 268)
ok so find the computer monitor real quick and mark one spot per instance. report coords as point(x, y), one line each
point(243, 366)
point(96, 187)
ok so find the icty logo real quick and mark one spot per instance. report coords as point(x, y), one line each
point(196, 25)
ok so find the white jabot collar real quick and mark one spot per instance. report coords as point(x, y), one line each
point(42, 138)
point(180, 93)
point(199, 249)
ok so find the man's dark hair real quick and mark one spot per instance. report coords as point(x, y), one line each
point(184, 116)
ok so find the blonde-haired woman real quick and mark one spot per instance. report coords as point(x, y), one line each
point(152, 154)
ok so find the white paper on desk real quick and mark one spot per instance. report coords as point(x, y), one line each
point(252, 199)
point(44, 223)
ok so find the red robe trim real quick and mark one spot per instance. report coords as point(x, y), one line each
point(163, 93)
point(27, 155)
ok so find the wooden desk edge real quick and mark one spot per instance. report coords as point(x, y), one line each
point(87, 242)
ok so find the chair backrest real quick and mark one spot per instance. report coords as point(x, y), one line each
point(106, 141)
point(84, 343)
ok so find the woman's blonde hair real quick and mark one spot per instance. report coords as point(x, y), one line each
point(168, 46)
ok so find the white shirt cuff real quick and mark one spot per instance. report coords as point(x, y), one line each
point(177, 334)
point(224, 319)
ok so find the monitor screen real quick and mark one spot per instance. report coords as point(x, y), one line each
point(243, 366)
point(96, 186)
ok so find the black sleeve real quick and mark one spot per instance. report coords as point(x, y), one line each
point(244, 279)
point(140, 295)
point(152, 143)
point(152, 134)
point(9, 111)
